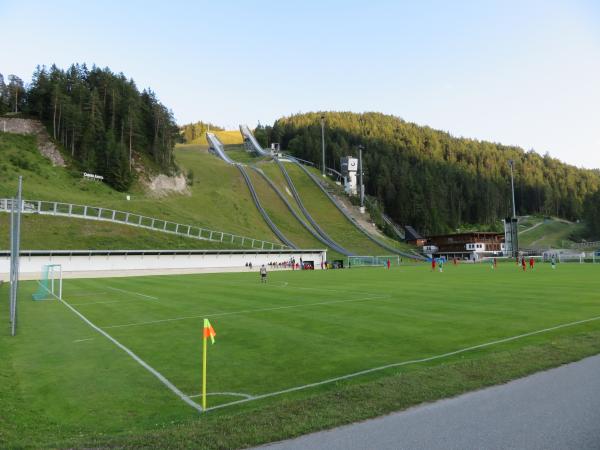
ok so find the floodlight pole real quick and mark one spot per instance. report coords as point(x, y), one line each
point(16, 250)
point(11, 297)
point(323, 141)
point(512, 186)
point(362, 187)
point(513, 225)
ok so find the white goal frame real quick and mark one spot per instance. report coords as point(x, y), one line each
point(372, 260)
point(53, 284)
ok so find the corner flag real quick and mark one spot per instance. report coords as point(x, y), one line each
point(209, 331)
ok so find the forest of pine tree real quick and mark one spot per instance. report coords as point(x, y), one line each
point(437, 182)
point(192, 132)
point(100, 118)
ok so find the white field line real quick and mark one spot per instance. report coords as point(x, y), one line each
point(83, 340)
point(247, 311)
point(105, 302)
point(139, 360)
point(233, 394)
point(403, 363)
point(86, 293)
point(132, 292)
point(96, 303)
point(285, 284)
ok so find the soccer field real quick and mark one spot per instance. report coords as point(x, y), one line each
point(302, 334)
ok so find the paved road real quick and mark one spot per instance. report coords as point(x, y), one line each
point(556, 409)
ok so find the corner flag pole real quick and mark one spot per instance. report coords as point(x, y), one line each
point(207, 332)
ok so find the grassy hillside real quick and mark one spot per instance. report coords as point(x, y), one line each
point(47, 232)
point(218, 198)
point(280, 214)
point(273, 172)
point(329, 218)
point(548, 233)
point(239, 154)
point(380, 236)
point(228, 137)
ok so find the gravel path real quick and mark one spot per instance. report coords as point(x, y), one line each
point(556, 409)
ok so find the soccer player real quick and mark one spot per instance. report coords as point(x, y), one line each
point(523, 263)
point(531, 263)
point(433, 264)
point(495, 263)
point(553, 261)
point(441, 263)
point(388, 263)
point(263, 274)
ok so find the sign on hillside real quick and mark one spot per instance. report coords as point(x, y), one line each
point(92, 176)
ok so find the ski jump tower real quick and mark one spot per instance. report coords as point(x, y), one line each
point(349, 170)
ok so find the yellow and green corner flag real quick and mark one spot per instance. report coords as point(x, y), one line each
point(209, 332)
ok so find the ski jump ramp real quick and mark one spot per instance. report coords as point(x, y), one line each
point(251, 144)
point(216, 147)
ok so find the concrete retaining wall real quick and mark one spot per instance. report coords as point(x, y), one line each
point(156, 262)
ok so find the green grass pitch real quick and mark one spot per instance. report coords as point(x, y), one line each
point(61, 378)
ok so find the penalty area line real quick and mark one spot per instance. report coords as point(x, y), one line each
point(405, 363)
point(132, 292)
point(246, 311)
point(136, 358)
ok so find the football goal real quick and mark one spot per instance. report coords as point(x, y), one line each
point(50, 283)
point(373, 261)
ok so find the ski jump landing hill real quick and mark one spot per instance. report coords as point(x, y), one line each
point(216, 147)
point(307, 222)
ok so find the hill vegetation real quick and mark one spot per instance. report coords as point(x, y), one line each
point(434, 181)
point(218, 199)
point(192, 132)
point(195, 133)
point(101, 119)
point(548, 232)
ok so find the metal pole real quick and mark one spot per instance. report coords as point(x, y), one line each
point(362, 187)
point(512, 186)
point(17, 252)
point(513, 225)
point(12, 261)
point(323, 141)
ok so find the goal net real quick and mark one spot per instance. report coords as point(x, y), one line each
point(373, 261)
point(50, 283)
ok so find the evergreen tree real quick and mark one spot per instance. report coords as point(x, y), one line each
point(434, 181)
point(102, 120)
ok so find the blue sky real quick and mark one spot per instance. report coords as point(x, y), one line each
point(517, 72)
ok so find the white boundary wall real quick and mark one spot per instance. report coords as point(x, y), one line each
point(124, 263)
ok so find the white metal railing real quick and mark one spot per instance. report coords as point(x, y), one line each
point(582, 245)
point(136, 220)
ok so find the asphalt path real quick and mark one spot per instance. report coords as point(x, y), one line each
point(555, 409)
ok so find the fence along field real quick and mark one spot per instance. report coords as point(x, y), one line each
point(294, 336)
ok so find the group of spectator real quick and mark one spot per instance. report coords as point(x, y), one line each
point(292, 263)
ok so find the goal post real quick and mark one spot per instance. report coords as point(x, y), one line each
point(50, 283)
point(373, 261)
